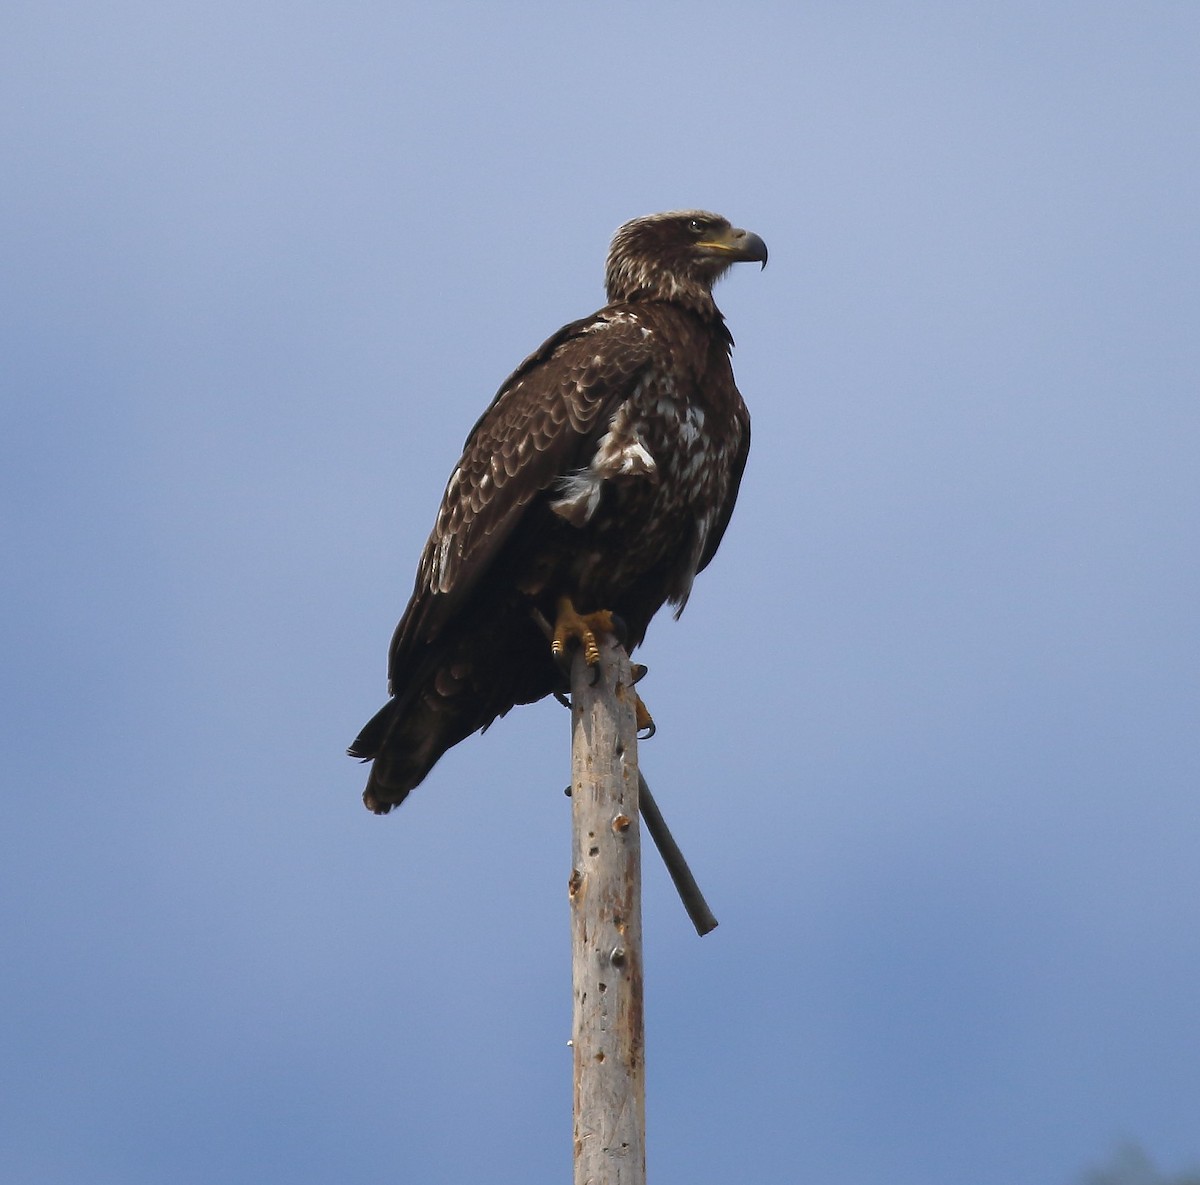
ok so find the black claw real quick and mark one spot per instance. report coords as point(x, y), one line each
point(565, 700)
point(648, 731)
point(638, 671)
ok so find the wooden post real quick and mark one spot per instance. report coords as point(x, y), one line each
point(606, 925)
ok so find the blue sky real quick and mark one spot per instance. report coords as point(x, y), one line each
point(927, 731)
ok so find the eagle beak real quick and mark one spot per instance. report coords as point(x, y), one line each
point(740, 246)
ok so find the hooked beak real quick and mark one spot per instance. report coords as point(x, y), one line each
point(738, 246)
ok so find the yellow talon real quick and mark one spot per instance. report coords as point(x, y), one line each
point(570, 625)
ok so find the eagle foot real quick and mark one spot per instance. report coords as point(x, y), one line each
point(573, 626)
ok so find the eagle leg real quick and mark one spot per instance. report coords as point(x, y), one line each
point(572, 626)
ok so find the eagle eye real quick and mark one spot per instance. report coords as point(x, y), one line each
point(697, 226)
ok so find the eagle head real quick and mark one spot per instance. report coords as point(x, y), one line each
point(677, 256)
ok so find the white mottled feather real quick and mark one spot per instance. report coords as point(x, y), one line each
point(620, 452)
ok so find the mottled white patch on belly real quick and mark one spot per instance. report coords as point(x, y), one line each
point(691, 424)
point(580, 496)
point(620, 452)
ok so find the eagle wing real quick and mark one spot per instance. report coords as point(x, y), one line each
point(716, 533)
point(539, 428)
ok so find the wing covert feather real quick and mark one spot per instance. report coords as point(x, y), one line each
point(537, 429)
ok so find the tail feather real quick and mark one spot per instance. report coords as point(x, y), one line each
point(374, 733)
point(401, 753)
point(405, 739)
point(460, 688)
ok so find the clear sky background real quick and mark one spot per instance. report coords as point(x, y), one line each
point(928, 730)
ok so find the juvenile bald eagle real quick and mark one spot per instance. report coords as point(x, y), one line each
point(601, 478)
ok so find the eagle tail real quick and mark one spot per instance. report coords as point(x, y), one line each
point(405, 739)
point(399, 756)
point(490, 664)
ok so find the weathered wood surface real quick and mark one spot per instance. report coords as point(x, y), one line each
point(606, 925)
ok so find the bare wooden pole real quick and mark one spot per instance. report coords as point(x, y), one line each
point(677, 867)
point(606, 924)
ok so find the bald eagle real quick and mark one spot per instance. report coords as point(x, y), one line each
point(599, 481)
